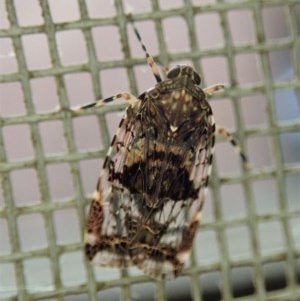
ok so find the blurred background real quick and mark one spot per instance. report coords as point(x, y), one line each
point(60, 54)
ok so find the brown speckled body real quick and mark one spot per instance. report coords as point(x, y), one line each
point(152, 187)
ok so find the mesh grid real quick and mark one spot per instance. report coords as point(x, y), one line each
point(58, 54)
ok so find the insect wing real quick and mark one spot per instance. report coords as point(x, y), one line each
point(107, 238)
point(175, 173)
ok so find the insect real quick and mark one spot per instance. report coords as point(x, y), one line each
point(150, 194)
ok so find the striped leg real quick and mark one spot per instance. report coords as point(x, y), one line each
point(101, 102)
point(223, 132)
point(236, 145)
point(210, 90)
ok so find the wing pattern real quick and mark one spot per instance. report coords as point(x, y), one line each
point(147, 204)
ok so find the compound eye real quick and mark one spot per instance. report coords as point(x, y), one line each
point(197, 78)
point(174, 72)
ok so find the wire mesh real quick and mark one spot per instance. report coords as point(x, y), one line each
point(58, 54)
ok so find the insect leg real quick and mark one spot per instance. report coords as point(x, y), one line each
point(150, 61)
point(210, 90)
point(101, 102)
point(236, 145)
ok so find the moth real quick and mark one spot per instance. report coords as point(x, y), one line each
point(148, 201)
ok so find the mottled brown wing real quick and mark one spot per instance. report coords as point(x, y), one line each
point(107, 236)
point(171, 179)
